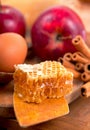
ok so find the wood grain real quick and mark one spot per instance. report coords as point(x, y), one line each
point(6, 95)
point(6, 99)
point(29, 114)
point(77, 119)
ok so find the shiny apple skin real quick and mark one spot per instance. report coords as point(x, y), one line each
point(53, 31)
point(11, 20)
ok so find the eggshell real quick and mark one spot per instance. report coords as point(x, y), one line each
point(13, 50)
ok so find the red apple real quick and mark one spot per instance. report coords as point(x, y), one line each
point(53, 31)
point(11, 20)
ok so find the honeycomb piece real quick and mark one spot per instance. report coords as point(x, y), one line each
point(48, 79)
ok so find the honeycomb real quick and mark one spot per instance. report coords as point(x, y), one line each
point(48, 79)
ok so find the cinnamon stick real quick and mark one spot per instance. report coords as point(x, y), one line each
point(80, 54)
point(85, 77)
point(79, 67)
point(81, 46)
point(87, 68)
point(79, 58)
point(76, 74)
point(68, 56)
point(66, 63)
point(85, 89)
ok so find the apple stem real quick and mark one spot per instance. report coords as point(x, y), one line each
point(59, 37)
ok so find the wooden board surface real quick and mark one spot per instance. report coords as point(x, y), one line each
point(6, 102)
point(6, 95)
point(77, 119)
point(32, 114)
point(6, 98)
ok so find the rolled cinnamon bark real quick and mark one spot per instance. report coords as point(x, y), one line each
point(79, 67)
point(80, 54)
point(87, 68)
point(66, 63)
point(85, 89)
point(76, 74)
point(81, 46)
point(68, 56)
point(85, 77)
point(60, 59)
point(79, 58)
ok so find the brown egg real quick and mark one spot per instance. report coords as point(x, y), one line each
point(13, 50)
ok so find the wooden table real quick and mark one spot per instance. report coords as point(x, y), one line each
point(77, 119)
